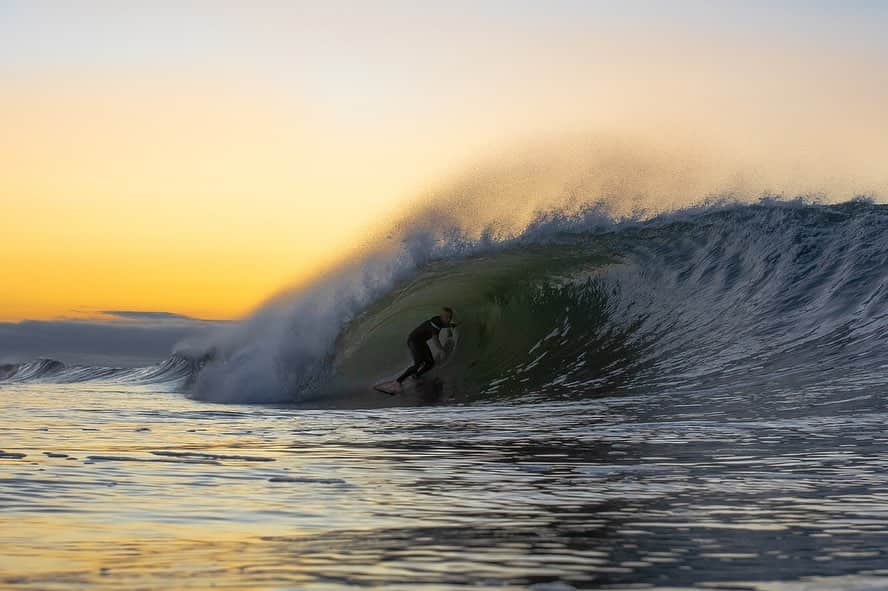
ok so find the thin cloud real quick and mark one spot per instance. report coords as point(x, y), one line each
point(150, 315)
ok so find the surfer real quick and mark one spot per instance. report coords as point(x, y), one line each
point(417, 342)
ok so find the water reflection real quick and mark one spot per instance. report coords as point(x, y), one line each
point(141, 489)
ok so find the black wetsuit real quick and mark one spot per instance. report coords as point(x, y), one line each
point(423, 360)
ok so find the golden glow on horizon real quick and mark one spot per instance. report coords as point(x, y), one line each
point(200, 203)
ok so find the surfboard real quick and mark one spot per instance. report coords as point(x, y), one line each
point(449, 345)
point(388, 387)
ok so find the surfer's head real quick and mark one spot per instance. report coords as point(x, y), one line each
point(446, 314)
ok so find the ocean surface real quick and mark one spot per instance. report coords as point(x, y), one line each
point(695, 401)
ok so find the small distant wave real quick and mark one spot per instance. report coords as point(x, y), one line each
point(31, 370)
point(177, 371)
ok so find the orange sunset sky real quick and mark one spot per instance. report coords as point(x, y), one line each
point(195, 157)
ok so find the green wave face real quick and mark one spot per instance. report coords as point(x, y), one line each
point(524, 313)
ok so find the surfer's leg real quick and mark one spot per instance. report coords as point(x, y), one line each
point(428, 360)
point(418, 360)
point(407, 373)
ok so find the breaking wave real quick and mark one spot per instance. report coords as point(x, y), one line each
point(773, 297)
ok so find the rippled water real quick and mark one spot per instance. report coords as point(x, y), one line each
point(131, 488)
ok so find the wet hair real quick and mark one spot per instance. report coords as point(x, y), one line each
point(448, 310)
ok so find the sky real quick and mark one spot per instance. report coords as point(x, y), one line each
point(195, 157)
